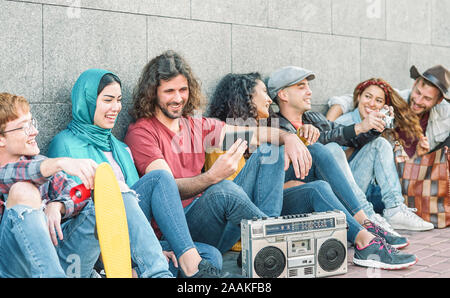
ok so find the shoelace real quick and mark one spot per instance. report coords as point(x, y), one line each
point(384, 244)
point(410, 212)
point(371, 225)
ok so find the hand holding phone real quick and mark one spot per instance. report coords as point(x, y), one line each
point(231, 138)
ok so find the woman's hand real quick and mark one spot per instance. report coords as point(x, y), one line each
point(423, 147)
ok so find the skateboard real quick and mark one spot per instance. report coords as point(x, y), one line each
point(112, 226)
point(111, 221)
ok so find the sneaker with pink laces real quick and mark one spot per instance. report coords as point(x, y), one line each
point(379, 254)
point(397, 242)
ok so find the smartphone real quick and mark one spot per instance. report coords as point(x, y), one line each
point(232, 137)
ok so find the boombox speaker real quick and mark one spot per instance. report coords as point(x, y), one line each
point(303, 245)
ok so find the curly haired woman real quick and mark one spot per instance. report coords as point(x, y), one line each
point(376, 159)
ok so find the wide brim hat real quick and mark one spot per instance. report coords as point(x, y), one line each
point(437, 75)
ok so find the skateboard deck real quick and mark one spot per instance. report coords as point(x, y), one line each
point(111, 221)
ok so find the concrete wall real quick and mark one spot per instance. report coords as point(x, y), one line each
point(46, 44)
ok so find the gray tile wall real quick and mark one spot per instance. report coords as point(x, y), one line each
point(46, 44)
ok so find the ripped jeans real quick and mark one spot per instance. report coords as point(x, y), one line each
point(26, 249)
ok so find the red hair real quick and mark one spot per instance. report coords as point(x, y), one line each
point(11, 106)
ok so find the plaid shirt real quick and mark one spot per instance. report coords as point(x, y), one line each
point(53, 189)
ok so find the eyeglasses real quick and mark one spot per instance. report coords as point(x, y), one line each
point(27, 128)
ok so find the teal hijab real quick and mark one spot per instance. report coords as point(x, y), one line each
point(84, 102)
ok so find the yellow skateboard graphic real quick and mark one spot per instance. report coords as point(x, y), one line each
point(112, 227)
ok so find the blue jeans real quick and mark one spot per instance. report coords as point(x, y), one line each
point(27, 250)
point(339, 155)
point(324, 167)
point(206, 252)
point(257, 191)
point(319, 197)
point(376, 161)
point(159, 199)
point(146, 251)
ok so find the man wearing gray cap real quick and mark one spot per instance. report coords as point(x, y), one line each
point(289, 88)
point(293, 82)
point(426, 100)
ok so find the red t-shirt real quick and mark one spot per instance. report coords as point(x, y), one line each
point(184, 151)
point(297, 124)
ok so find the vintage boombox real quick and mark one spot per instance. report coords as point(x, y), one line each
point(302, 245)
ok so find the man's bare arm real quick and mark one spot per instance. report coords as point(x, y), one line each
point(82, 168)
point(334, 112)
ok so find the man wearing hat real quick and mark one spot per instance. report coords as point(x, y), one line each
point(425, 98)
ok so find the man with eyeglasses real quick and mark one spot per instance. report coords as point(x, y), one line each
point(43, 232)
point(35, 197)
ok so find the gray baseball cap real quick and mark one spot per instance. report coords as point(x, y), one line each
point(287, 76)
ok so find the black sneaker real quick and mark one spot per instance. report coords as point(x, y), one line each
point(239, 260)
point(379, 254)
point(397, 242)
point(207, 270)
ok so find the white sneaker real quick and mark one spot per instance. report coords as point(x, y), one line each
point(382, 222)
point(406, 219)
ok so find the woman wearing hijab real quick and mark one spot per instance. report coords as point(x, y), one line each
point(96, 103)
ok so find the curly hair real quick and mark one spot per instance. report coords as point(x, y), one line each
point(163, 67)
point(232, 98)
point(405, 119)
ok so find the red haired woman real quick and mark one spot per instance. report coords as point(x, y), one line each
point(375, 160)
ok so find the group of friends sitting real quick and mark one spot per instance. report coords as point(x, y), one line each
point(184, 195)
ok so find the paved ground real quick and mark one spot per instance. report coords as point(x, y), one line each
point(432, 248)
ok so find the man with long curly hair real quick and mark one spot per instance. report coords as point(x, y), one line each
point(170, 134)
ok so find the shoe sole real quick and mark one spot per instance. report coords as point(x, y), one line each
point(381, 265)
point(400, 246)
point(400, 227)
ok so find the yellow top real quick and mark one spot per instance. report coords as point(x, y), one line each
point(211, 158)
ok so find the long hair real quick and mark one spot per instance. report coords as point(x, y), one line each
point(163, 67)
point(232, 98)
point(405, 119)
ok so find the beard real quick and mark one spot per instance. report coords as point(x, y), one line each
point(169, 114)
point(422, 109)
